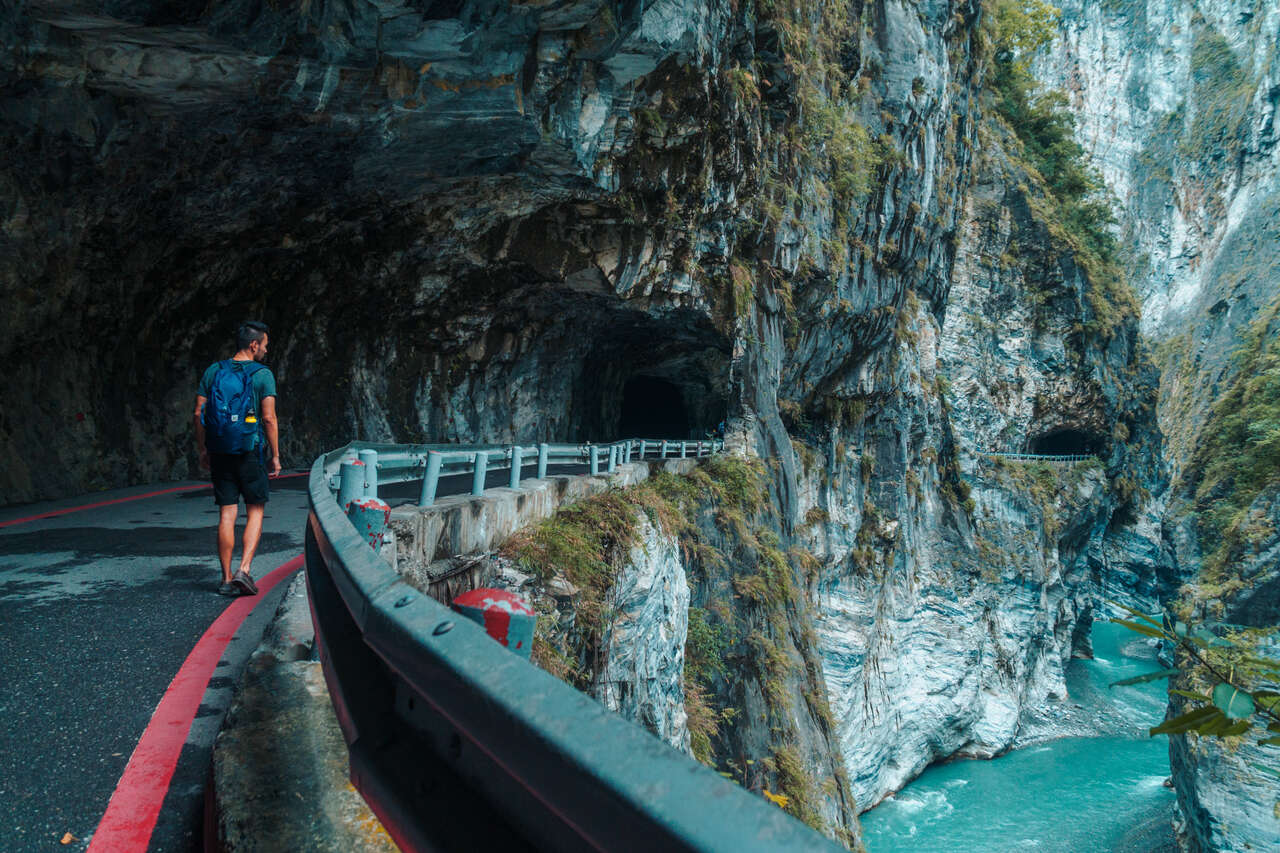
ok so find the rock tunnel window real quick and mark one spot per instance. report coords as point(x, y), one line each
point(1063, 442)
point(653, 408)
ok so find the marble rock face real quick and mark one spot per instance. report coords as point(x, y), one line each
point(1176, 103)
point(491, 221)
point(642, 674)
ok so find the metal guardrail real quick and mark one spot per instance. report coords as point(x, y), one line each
point(456, 743)
point(398, 463)
point(1043, 457)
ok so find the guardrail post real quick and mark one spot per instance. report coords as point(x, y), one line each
point(516, 454)
point(481, 460)
point(642, 448)
point(684, 449)
point(543, 452)
point(595, 463)
point(370, 460)
point(506, 617)
point(613, 458)
point(351, 483)
point(431, 479)
point(370, 516)
point(664, 448)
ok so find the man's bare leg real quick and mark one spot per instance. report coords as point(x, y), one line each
point(227, 537)
point(252, 534)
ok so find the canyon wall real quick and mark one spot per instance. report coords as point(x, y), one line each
point(490, 221)
point(1176, 103)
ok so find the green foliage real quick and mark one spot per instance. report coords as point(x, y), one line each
point(743, 288)
point(1022, 28)
point(1242, 698)
point(1079, 212)
point(584, 542)
point(816, 516)
point(1239, 456)
point(796, 784)
point(831, 127)
point(704, 650)
point(829, 139)
point(588, 541)
point(704, 647)
point(1221, 90)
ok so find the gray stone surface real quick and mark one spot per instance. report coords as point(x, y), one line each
point(642, 673)
point(478, 222)
point(1176, 102)
point(280, 773)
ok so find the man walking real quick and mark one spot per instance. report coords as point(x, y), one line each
point(236, 434)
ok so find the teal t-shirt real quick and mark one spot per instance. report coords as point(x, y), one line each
point(264, 386)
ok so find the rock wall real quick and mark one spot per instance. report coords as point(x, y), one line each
point(479, 220)
point(642, 673)
point(1176, 102)
point(956, 586)
point(678, 604)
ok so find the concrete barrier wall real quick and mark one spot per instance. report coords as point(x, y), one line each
point(444, 549)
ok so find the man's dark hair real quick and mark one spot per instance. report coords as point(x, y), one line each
point(248, 332)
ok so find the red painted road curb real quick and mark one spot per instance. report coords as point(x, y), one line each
point(135, 804)
point(54, 513)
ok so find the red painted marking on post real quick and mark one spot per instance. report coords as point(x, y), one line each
point(135, 805)
point(497, 624)
point(54, 513)
point(497, 605)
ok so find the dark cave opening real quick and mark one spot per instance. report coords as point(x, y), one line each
point(1063, 442)
point(652, 408)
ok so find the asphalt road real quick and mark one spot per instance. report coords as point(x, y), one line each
point(99, 608)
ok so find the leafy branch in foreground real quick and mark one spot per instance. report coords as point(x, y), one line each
point(1235, 704)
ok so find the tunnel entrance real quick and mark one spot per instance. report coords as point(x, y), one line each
point(1063, 442)
point(652, 408)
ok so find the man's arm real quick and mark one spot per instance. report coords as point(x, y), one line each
point(199, 424)
point(272, 428)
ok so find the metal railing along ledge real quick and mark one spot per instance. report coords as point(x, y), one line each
point(454, 741)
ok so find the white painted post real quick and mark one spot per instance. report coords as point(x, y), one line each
point(431, 480)
point(543, 452)
point(481, 466)
point(351, 483)
point(516, 457)
point(370, 460)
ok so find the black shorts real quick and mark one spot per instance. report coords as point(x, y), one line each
point(236, 475)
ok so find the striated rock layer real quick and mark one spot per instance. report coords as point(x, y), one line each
point(491, 221)
point(641, 675)
point(958, 585)
point(1176, 102)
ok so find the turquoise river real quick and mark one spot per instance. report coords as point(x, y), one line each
point(1069, 795)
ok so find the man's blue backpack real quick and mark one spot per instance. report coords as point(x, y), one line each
point(230, 418)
